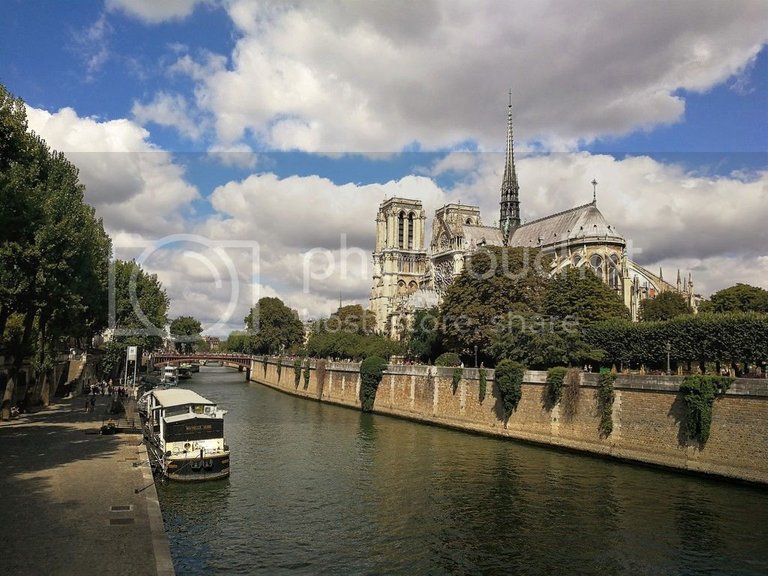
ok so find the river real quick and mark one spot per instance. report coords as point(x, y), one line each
point(319, 489)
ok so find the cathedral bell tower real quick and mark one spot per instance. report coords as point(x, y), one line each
point(399, 258)
point(509, 213)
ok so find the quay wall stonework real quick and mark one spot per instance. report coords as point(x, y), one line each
point(648, 413)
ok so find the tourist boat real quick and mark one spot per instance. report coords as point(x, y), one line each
point(170, 376)
point(184, 433)
point(185, 371)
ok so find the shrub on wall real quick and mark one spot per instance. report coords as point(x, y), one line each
point(483, 383)
point(509, 380)
point(457, 374)
point(448, 359)
point(297, 371)
point(306, 375)
point(699, 394)
point(371, 373)
point(605, 397)
point(264, 364)
point(554, 387)
point(571, 389)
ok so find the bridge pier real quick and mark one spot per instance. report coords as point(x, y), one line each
point(247, 374)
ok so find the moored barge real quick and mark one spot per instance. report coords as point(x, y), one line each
point(184, 433)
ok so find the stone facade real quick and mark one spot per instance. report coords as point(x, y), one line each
point(648, 413)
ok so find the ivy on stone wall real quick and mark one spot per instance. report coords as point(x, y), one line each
point(509, 381)
point(457, 374)
point(605, 397)
point(571, 389)
point(554, 386)
point(371, 373)
point(264, 364)
point(306, 375)
point(483, 384)
point(699, 394)
point(297, 372)
point(279, 368)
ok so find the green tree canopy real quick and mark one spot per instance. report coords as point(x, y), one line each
point(497, 282)
point(425, 339)
point(273, 327)
point(738, 298)
point(579, 293)
point(54, 253)
point(185, 332)
point(351, 318)
point(141, 313)
point(664, 306)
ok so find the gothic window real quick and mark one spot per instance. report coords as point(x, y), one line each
point(469, 221)
point(401, 287)
point(412, 286)
point(410, 231)
point(400, 229)
point(576, 260)
point(597, 264)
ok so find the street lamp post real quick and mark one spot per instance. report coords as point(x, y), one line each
point(669, 348)
point(475, 355)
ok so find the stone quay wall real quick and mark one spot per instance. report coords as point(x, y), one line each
point(648, 413)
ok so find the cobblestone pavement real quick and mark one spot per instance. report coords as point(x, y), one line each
point(73, 501)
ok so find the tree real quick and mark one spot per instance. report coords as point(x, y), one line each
point(185, 332)
point(664, 306)
point(497, 284)
point(54, 252)
point(580, 294)
point(738, 298)
point(272, 327)
point(141, 308)
point(352, 318)
point(425, 340)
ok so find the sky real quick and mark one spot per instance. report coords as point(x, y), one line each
point(240, 149)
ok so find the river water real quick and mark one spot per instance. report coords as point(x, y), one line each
point(318, 489)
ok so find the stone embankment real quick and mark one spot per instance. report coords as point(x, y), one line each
point(648, 413)
point(73, 501)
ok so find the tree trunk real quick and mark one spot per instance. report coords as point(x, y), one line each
point(10, 388)
point(5, 312)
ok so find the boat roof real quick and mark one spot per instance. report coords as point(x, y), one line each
point(179, 397)
point(190, 416)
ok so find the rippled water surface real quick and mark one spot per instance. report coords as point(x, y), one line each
point(319, 489)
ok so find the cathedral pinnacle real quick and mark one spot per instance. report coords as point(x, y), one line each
point(510, 202)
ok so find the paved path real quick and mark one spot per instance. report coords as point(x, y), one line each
point(73, 501)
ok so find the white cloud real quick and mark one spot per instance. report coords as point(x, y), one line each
point(332, 77)
point(169, 110)
point(154, 11)
point(135, 186)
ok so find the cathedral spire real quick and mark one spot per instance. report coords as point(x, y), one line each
point(510, 202)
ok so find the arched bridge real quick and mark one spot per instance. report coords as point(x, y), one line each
point(239, 361)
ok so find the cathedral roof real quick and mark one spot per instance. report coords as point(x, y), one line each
point(578, 223)
point(479, 235)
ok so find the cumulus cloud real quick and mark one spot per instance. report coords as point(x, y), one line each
point(328, 76)
point(168, 110)
point(135, 186)
point(154, 12)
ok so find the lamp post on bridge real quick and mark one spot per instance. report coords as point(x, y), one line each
point(475, 355)
point(669, 349)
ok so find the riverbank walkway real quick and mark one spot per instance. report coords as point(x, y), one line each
point(73, 501)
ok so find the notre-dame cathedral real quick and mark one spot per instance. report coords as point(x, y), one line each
point(408, 277)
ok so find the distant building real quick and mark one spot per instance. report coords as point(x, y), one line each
point(213, 342)
point(407, 277)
